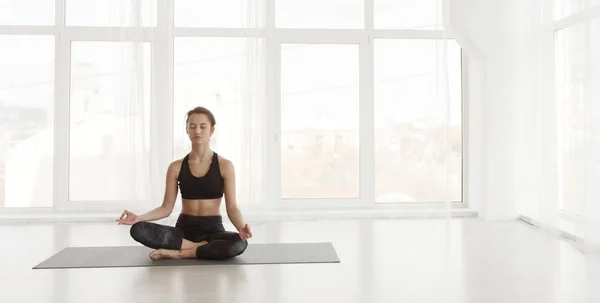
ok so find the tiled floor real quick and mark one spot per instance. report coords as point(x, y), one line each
point(401, 260)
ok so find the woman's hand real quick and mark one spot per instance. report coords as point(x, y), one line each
point(245, 233)
point(128, 218)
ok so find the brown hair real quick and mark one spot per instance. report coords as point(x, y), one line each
point(201, 110)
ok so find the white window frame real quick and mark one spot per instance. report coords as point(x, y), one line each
point(162, 39)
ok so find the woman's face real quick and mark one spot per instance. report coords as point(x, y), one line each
point(199, 128)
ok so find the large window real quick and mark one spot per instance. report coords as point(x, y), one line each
point(317, 102)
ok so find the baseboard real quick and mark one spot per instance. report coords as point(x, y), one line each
point(365, 214)
point(561, 233)
point(44, 218)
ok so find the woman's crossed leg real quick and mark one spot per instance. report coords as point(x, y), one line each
point(169, 243)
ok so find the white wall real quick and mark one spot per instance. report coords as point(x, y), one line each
point(511, 132)
point(484, 29)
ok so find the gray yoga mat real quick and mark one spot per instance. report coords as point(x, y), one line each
point(137, 256)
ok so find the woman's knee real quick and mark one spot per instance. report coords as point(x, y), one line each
point(139, 231)
point(238, 248)
point(156, 236)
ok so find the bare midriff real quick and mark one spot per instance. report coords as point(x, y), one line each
point(201, 207)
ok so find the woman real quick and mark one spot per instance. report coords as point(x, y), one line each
point(203, 178)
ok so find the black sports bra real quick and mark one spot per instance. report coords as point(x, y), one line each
point(209, 186)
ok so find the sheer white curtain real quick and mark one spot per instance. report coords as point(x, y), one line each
point(560, 75)
point(114, 146)
point(536, 150)
point(444, 114)
point(230, 84)
point(591, 212)
point(251, 130)
point(578, 98)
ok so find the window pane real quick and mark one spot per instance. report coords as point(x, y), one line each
point(334, 14)
point(319, 104)
point(408, 14)
point(413, 136)
point(27, 12)
point(223, 13)
point(111, 12)
point(577, 72)
point(26, 121)
point(109, 114)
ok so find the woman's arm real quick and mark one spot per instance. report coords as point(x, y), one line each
point(170, 196)
point(233, 211)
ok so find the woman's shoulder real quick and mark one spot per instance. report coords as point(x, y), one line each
point(175, 166)
point(223, 161)
point(177, 162)
point(225, 165)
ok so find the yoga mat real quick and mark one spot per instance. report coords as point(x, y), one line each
point(137, 256)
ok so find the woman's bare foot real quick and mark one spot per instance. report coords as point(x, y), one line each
point(164, 254)
point(176, 254)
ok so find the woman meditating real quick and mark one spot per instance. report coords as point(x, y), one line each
point(203, 178)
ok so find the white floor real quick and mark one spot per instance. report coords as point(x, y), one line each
point(400, 260)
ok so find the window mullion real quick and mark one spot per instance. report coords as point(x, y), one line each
point(163, 103)
point(369, 15)
point(62, 55)
point(366, 123)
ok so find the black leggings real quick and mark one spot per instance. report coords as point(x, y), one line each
point(221, 244)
